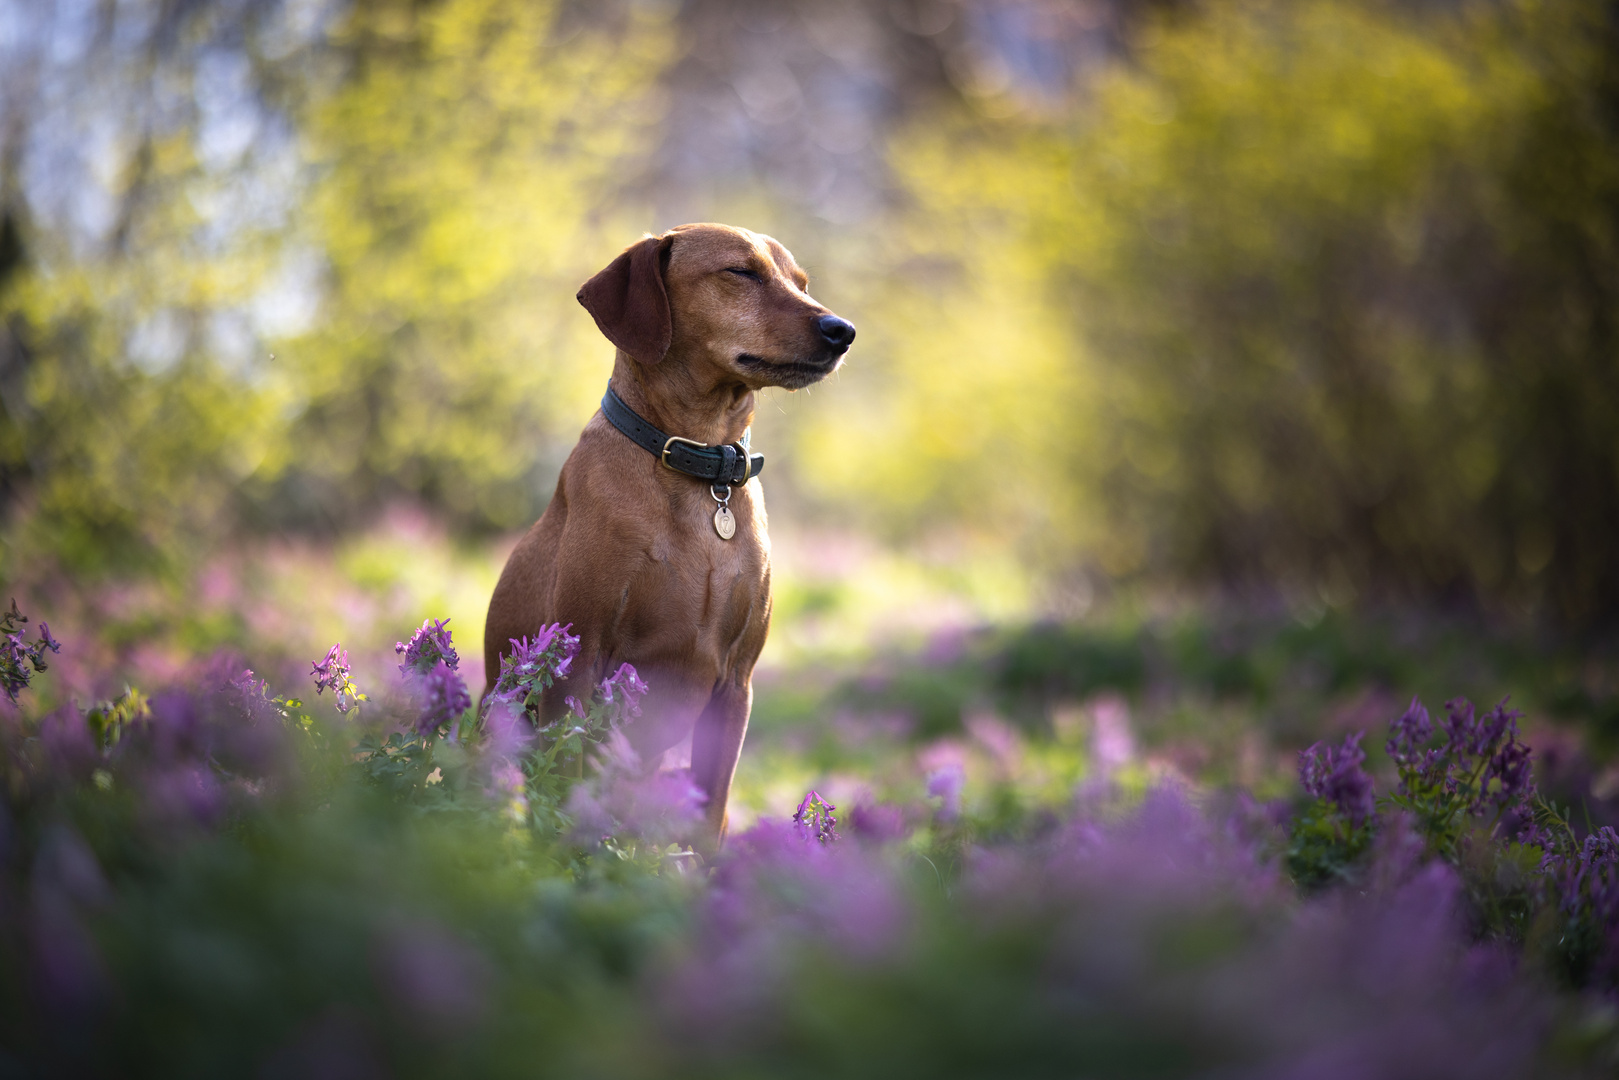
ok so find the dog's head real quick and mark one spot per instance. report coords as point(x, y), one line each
point(718, 295)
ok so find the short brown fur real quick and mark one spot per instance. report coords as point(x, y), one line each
point(627, 551)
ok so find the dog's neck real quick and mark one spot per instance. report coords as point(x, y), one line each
point(682, 401)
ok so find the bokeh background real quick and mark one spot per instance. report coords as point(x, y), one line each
point(1228, 371)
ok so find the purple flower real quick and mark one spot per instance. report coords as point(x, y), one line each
point(945, 784)
point(333, 673)
point(428, 646)
point(508, 734)
point(249, 696)
point(773, 884)
point(1409, 734)
point(14, 673)
point(18, 657)
point(622, 801)
point(330, 671)
point(1590, 879)
point(1335, 774)
point(1587, 884)
point(814, 818)
point(248, 687)
point(1460, 724)
point(534, 665)
point(1257, 825)
point(1507, 780)
point(1471, 734)
point(185, 792)
point(509, 786)
point(1510, 766)
point(1481, 763)
point(877, 822)
point(507, 778)
point(628, 688)
point(563, 646)
point(444, 699)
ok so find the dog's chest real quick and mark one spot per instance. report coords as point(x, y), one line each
point(711, 591)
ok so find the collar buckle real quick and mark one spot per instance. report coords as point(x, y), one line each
point(664, 457)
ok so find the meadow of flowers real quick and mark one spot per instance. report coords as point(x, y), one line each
point(222, 877)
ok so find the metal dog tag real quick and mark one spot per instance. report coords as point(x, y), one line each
point(725, 522)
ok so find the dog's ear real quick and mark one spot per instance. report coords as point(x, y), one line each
point(629, 302)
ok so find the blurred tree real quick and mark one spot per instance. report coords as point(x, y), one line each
point(466, 166)
point(274, 263)
point(1259, 244)
point(968, 377)
point(142, 186)
point(1338, 281)
point(1546, 294)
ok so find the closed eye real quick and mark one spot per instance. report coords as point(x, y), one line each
point(742, 271)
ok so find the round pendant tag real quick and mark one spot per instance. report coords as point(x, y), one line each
point(725, 522)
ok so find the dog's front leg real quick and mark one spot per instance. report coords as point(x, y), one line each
point(716, 744)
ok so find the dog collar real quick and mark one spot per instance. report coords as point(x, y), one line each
point(724, 464)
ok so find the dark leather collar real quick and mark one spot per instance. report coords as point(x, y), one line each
point(729, 464)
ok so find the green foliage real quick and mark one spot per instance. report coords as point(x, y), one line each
point(1283, 672)
point(126, 429)
point(1441, 811)
point(406, 766)
point(463, 161)
point(1506, 888)
point(1255, 212)
point(247, 944)
point(1465, 796)
point(363, 303)
point(1574, 937)
point(1325, 848)
point(108, 719)
point(1276, 305)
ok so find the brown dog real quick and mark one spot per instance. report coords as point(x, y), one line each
point(632, 552)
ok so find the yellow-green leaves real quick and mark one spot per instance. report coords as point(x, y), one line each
point(465, 166)
point(1276, 301)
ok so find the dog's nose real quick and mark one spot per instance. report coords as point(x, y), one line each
point(838, 333)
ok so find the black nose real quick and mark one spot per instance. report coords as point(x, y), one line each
point(839, 333)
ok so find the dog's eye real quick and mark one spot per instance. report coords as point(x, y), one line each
point(742, 271)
